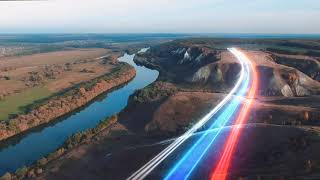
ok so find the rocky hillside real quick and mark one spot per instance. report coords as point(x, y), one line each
point(217, 70)
point(281, 139)
point(202, 73)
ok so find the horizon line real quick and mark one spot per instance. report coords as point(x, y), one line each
point(164, 33)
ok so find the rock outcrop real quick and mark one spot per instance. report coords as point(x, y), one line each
point(61, 105)
point(203, 66)
point(286, 81)
point(308, 65)
point(181, 63)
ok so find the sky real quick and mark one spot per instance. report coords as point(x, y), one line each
point(161, 16)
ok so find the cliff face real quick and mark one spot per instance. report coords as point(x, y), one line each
point(201, 66)
point(308, 65)
point(59, 106)
point(180, 63)
point(170, 106)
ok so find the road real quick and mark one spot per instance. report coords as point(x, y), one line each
point(224, 113)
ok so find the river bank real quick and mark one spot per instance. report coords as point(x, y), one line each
point(67, 101)
point(26, 150)
point(80, 138)
point(188, 87)
point(186, 92)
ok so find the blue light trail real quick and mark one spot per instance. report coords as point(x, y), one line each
point(184, 167)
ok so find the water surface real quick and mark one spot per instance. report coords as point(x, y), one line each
point(27, 149)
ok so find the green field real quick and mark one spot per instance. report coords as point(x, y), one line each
point(15, 103)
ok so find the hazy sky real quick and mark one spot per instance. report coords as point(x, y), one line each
point(173, 16)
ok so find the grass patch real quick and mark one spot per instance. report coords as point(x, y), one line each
point(14, 104)
point(152, 92)
point(33, 98)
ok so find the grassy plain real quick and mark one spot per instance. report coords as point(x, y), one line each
point(37, 76)
point(14, 104)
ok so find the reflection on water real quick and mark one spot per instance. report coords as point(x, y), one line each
point(26, 149)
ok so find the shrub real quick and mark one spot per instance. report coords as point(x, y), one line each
point(6, 176)
point(43, 161)
point(71, 142)
point(81, 137)
point(22, 172)
point(152, 92)
point(31, 174)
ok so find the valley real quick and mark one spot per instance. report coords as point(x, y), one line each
point(193, 77)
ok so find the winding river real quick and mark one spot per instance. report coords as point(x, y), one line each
point(26, 149)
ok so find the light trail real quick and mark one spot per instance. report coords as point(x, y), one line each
point(221, 170)
point(185, 166)
point(153, 163)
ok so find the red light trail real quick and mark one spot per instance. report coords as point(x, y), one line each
point(221, 170)
point(183, 168)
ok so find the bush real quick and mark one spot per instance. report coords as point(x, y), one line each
point(81, 137)
point(31, 174)
point(6, 176)
point(74, 91)
point(75, 139)
point(152, 92)
point(71, 142)
point(43, 161)
point(22, 172)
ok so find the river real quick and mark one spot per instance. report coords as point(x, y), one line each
point(28, 148)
